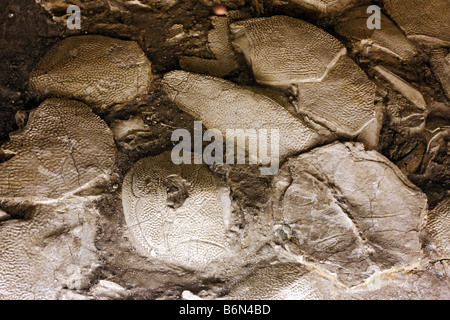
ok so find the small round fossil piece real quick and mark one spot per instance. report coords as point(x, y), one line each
point(97, 70)
point(176, 213)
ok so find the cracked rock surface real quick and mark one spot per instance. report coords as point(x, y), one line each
point(93, 207)
point(331, 88)
point(335, 200)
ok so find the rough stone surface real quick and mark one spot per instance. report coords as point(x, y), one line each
point(98, 70)
point(63, 148)
point(351, 212)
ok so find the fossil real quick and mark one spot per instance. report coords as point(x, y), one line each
point(424, 21)
point(53, 248)
point(438, 229)
point(389, 39)
point(326, 6)
point(440, 64)
point(63, 148)
point(338, 200)
point(131, 132)
point(176, 213)
point(220, 45)
point(400, 85)
point(223, 105)
point(337, 221)
point(281, 282)
point(332, 89)
point(97, 70)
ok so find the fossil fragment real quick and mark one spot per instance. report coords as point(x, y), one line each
point(191, 233)
point(438, 229)
point(223, 105)
point(435, 165)
point(97, 70)
point(53, 248)
point(424, 21)
point(408, 91)
point(132, 132)
point(389, 38)
point(4, 216)
point(284, 50)
point(351, 212)
point(326, 6)
point(63, 148)
point(107, 290)
point(332, 89)
point(220, 45)
point(281, 282)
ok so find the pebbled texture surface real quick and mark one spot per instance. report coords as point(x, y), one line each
point(97, 70)
point(343, 100)
point(63, 147)
point(438, 229)
point(223, 105)
point(338, 200)
point(284, 50)
point(422, 20)
point(191, 234)
point(332, 89)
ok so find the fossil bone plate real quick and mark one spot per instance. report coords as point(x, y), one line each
point(222, 105)
point(63, 148)
point(438, 229)
point(176, 213)
point(97, 70)
point(283, 282)
point(332, 89)
point(326, 6)
point(422, 20)
point(54, 248)
point(352, 212)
